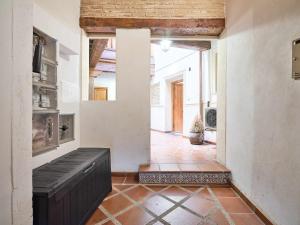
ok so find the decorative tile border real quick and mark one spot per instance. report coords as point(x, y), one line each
point(184, 178)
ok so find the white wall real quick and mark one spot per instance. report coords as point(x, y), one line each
point(221, 104)
point(6, 63)
point(15, 114)
point(84, 66)
point(124, 124)
point(107, 80)
point(54, 19)
point(171, 66)
point(209, 94)
point(263, 124)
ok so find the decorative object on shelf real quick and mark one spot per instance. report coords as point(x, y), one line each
point(197, 132)
point(66, 128)
point(35, 99)
point(38, 43)
point(44, 131)
point(36, 77)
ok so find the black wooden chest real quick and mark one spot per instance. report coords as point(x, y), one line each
point(67, 190)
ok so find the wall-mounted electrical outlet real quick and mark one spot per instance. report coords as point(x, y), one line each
point(296, 59)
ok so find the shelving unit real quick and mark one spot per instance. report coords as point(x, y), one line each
point(45, 116)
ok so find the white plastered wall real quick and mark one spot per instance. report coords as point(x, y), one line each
point(209, 92)
point(15, 113)
point(124, 124)
point(221, 104)
point(56, 20)
point(263, 124)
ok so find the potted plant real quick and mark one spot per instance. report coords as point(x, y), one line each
point(197, 132)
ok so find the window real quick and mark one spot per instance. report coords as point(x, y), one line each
point(102, 69)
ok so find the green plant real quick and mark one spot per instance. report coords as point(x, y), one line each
point(197, 125)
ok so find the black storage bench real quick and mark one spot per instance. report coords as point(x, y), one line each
point(67, 190)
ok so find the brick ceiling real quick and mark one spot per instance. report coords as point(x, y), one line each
point(163, 17)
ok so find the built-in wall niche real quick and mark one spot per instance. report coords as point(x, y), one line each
point(45, 130)
point(66, 128)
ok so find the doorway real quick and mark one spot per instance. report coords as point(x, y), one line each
point(177, 109)
point(100, 94)
point(181, 90)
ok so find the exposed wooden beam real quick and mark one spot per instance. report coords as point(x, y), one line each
point(108, 61)
point(97, 48)
point(194, 45)
point(162, 27)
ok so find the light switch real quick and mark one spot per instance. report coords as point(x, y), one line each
point(296, 59)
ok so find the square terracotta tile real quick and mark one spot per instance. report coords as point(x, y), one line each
point(209, 167)
point(134, 216)
point(170, 148)
point(175, 193)
point(169, 167)
point(122, 187)
point(113, 192)
point(189, 167)
point(192, 188)
point(234, 205)
point(149, 168)
point(115, 204)
point(138, 193)
point(97, 217)
point(204, 193)
point(224, 192)
point(109, 223)
point(223, 168)
point(118, 179)
point(179, 216)
point(157, 204)
point(246, 219)
point(131, 180)
point(156, 188)
point(200, 205)
point(218, 218)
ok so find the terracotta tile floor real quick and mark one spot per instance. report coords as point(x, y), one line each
point(174, 153)
point(137, 204)
point(170, 148)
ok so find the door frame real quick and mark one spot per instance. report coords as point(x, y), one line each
point(168, 98)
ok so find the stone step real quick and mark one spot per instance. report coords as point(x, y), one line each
point(152, 174)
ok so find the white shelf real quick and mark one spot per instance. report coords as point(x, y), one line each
point(44, 85)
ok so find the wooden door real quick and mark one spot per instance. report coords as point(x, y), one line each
point(177, 98)
point(100, 93)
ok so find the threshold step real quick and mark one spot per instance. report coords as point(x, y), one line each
point(184, 174)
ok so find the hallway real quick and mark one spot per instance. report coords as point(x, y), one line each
point(98, 99)
point(175, 153)
point(131, 203)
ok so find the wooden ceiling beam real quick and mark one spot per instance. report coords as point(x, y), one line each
point(108, 61)
point(193, 45)
point(97, 49)
point(162, 27)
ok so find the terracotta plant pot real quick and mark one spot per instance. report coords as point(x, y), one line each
point(196, 138)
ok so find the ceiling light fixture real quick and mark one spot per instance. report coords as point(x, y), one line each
point(165, 45)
